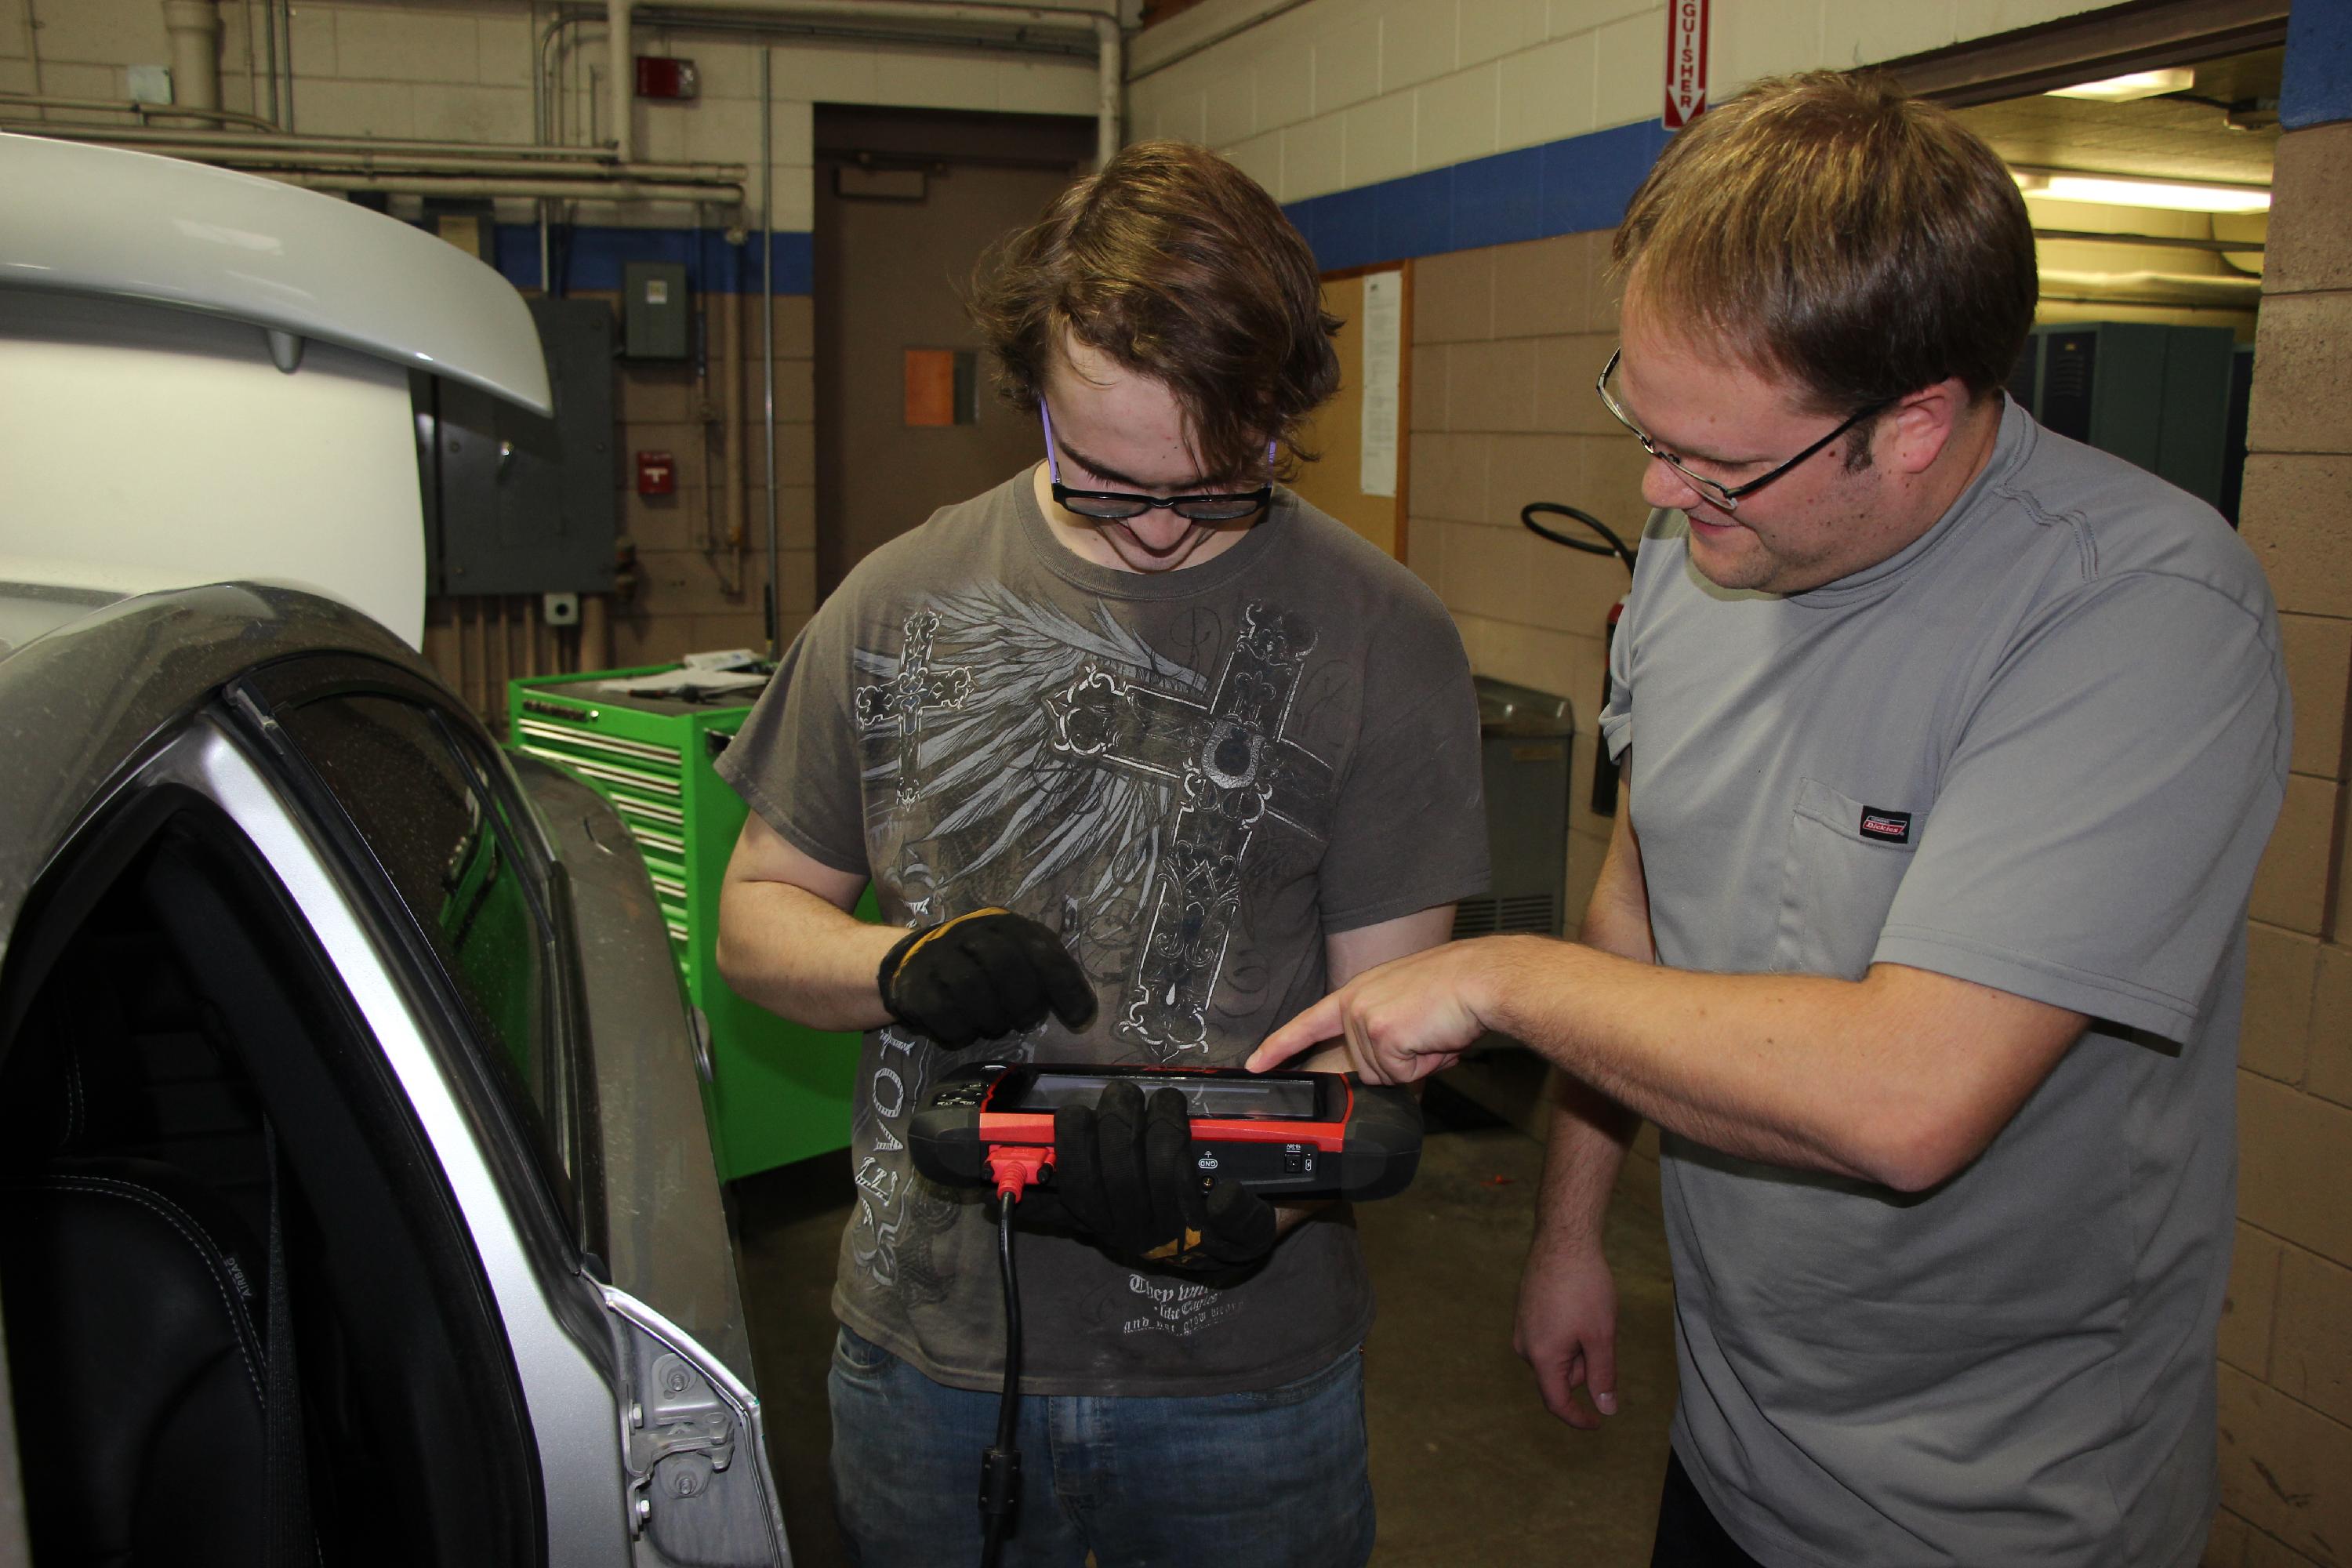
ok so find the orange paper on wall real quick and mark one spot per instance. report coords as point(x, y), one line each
point(931, 386)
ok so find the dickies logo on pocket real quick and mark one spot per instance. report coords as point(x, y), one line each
point(1887, 827)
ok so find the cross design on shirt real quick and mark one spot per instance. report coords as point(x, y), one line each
point(1234, 771)
point(915, 690)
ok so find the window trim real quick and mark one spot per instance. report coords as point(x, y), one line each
point(561, 1231)
point(558, 1332)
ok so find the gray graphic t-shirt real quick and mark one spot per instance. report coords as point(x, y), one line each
point(1194, 778)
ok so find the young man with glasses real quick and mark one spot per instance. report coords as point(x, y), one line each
point(1141, 754)
point(1922, 933)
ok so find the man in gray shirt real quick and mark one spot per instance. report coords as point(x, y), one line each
point(1922, 934)
point(1140, 734)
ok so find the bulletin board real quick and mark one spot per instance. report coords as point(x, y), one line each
point(1337, 482)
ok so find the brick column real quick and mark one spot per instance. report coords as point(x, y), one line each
point(2286, 1332)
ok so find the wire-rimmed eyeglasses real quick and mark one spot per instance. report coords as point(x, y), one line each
point(1114, 506)
point(1714, 491)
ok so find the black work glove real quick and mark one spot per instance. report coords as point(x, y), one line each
point(1124, 1174)
point(980, 975)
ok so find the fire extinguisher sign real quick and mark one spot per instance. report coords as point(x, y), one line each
point(1685, 62)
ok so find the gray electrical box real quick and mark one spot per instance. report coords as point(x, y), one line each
point(515, 503)
point(1525, 737)
point(655, 323)
point(2154, 395)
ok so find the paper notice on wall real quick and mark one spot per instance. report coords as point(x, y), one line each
point(1383, 361)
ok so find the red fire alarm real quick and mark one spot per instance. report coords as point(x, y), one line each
point(659, 76)
point(657, 475)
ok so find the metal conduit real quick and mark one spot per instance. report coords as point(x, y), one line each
point(273, 142)
point(716, 176)
point(132, 106)
point(468, 185)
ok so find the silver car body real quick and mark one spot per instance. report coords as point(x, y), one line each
point(231, 357)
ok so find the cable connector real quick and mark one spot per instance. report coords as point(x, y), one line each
point(1014, 1167)
point(1000, 1483)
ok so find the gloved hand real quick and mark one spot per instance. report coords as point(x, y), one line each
point(980, 975)
point(1124, 1173)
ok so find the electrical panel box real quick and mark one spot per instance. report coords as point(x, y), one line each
point(515, 503)
point(655, 321)
point(774, 1091)
point(2156, 396)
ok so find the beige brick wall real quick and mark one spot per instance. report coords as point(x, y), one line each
point(1506, 343)
point(679, 601)
point(2286, 1336)
point(1329, 95)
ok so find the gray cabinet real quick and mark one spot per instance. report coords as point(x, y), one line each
point(515, 503)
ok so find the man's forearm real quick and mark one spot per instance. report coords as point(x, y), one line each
point(1797, 1071)
point(1586, 1142)
point(797, 955)
point(1583, 1149)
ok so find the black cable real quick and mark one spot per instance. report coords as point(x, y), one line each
point(1615, 546)
point(1000, 1467)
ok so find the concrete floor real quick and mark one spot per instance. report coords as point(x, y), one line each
point(1468, 1469)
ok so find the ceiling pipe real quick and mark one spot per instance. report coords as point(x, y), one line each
point(273, 142)
point(1111, 92)
point(583, 190)
point(620, 75)
point(1102, 28)
point(194, 27)
point(717, 176)
point(131, 106)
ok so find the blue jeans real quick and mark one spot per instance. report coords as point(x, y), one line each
point(1275, 1477)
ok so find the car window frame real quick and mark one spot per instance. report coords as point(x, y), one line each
point(569, 1226)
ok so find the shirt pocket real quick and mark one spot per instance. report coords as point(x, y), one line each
point(1836, 886)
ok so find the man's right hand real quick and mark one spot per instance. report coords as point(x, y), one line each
point(1566, 1330)
point(981, 975)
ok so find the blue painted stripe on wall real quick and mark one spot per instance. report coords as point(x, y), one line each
point(1560, 187)
point(590, 255)
point(2317, 84)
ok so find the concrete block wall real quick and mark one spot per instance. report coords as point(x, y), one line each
point(680, 600)
point(1335, 95)
point(2286, 1340)
point(1508, 341)
point(1496, 140)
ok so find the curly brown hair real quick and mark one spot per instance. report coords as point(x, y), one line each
point(1179, 266)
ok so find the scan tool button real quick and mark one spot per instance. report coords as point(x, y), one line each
point(1294, 1161)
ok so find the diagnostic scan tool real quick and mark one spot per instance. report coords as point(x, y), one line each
point(1282, 1135)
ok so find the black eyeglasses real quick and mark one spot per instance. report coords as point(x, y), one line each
point(1114, 506)
point(1716, 491)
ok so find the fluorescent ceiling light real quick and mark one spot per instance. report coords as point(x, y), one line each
point(2138, 84)
point(2108, 191)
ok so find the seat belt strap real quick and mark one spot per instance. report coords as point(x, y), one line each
point(287, 1494)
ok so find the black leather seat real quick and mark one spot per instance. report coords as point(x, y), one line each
point(134, 1299)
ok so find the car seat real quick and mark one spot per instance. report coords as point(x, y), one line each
point(136, 1303)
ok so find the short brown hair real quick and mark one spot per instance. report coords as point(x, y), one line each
point(1177, 265)
point(1860, 243)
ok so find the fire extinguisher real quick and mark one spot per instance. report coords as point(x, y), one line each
point(1604, 766)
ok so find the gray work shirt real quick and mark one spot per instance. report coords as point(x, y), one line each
point(2040, 750)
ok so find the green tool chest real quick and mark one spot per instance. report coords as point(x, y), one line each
point(776, 1091)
